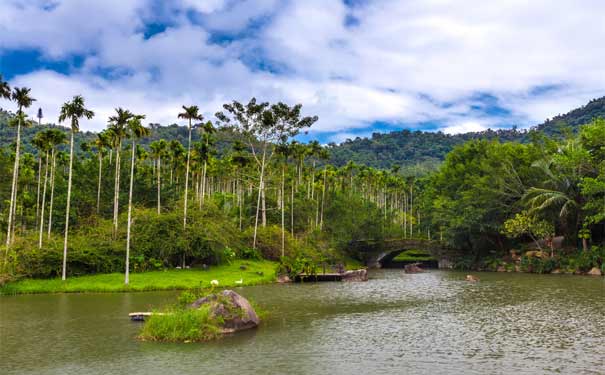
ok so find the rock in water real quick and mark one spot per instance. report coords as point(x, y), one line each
point(594, 272)
point(413, 268)
point(356, 275)
point(472, 278)
point(234, 309)
point(283, 279)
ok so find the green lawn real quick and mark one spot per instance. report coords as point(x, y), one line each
point(155, 280)
point(413, 256)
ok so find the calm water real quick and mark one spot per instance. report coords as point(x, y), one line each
point(431, 323)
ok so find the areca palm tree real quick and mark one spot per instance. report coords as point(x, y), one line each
point(117, 132)
point(5, 90)
point(207, 130)
point(158, 149)
point(72, 111)
point(135, 130)
point(24, 100)
point(45, 145)
point(189, 113)
point(101, 142)
point(55, 138)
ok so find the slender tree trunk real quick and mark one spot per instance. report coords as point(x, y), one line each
point(292, 208)
point(43, 203)
point(204, 181)
point(13, 201)
point(159, 182)
point(99, 182)
point(283, 213)
point(53, 172)
point(323, 199)
point(71, 159)
point(116, 193)
point(39, 182)
point(258, 201)
point(127, 268)
point(187, 182)
point(411, 213)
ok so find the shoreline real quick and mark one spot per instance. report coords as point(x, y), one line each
point(256, 273)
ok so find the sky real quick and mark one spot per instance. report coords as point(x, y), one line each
point(362, 66)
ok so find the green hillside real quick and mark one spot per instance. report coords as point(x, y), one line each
point(414, 151)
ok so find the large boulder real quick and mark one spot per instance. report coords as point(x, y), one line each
point(356, 275)
point(594, 272)
point(413, 268)
point(235, 310)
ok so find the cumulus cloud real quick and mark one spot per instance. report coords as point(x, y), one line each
point(464, 127)
point(464, 67)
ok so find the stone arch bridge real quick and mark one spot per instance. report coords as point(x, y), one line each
point(375, 253)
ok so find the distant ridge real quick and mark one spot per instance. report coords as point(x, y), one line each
point(418, 151)
point(412, 151)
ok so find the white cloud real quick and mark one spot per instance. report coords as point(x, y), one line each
point(397, 62)
point(464, 127)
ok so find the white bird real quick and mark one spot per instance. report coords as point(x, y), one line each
point(240, 281)
point(214, 283)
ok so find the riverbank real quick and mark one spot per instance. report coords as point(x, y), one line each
point(255, 272)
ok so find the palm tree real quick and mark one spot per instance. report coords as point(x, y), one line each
point(190, 113)
point(101, 142)
point(5, 90)
point(44, 141)
point(74, 111)
point(158, 149)
point(39, 143)
point(207, 131)
point(24, 100)
point(117, 131)
point(55, 137)
point(136, 130)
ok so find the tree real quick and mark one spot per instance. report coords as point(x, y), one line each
point(44, 146)
point(207, 130)
point(55, 137)
point(159, 149)
point(190, 113)
point(526, 224)
point(101, 142)
point(23, 99)
point(73, 111)
point(136, 130)
point(5, 90)
point(264, 126)
point(117, 132)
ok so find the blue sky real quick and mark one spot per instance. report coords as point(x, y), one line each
point(361, 65)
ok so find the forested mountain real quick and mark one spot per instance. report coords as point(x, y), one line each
point(418, 151)
point(414, 151)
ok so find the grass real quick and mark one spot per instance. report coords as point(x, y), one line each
point(172, 279)
point(413, 256)
point(182, 325)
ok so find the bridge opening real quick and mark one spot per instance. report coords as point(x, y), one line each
point(400, 258)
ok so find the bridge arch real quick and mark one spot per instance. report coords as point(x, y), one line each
point(376, 253)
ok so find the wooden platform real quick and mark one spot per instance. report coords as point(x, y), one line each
point(140, 316)
point(303, 277)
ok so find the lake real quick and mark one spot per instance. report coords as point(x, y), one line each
point(431, 323)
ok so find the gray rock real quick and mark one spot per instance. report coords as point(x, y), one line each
point(356, 275)
point(283, 279)
point(594, 272)
point(413, 268)
point(235, 310)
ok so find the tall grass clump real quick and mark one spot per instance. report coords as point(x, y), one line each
point(183, 325)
